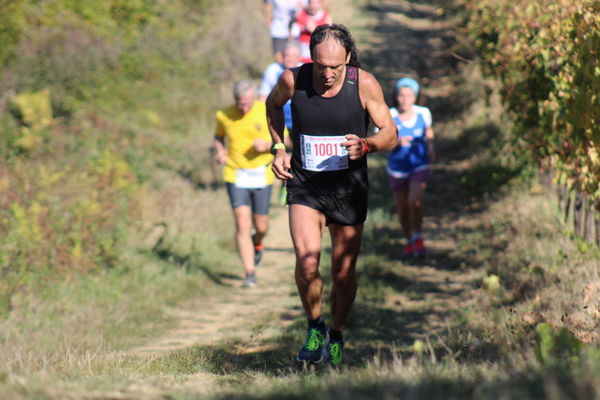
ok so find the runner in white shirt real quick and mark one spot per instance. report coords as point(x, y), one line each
point(279, 16)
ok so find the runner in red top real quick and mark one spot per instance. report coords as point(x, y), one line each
point(313, 15)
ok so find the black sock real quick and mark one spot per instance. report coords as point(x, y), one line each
point(316, 323)
point(335, 336)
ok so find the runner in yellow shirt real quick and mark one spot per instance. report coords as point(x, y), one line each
point(242, 145)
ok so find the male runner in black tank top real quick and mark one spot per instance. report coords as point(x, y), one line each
point(332, 101)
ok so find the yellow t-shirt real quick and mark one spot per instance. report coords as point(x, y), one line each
point(239, 132)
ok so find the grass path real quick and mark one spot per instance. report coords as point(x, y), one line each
point(230, 311)
point(267, 321)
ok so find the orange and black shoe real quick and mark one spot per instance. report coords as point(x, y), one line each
point(258, 251)
point(258, 254)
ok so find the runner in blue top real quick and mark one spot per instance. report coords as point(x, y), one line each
point(291, 59)
point(408, 163)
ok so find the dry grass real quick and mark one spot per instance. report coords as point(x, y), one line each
point(74, 330)
point(68, 335)
point(541, 254)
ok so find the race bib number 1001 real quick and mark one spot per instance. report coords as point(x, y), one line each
point(323, 153)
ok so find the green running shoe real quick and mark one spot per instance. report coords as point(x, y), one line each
point(333, 352)
point(312, 351)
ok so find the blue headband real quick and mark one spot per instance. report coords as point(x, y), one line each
point(407, 82)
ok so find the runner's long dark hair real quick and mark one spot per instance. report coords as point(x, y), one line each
point(341, 34)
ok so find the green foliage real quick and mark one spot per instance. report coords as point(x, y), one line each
point(556, 345)
point(545, 54)
point(35, 112)
point(97, 96)
point(11, 25)
point(62, 220)
point(35, 108)
point(106, 15)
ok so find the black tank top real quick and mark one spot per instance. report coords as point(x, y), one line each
point(315, 116)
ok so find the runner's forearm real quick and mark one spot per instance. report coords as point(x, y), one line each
point(385, 139)
point(276, 121)
point(266, 7)
point(219, 144)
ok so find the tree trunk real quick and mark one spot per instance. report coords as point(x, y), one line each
point(566, 195)
point(546, 179)
point(597, 223)
point(588, 212)
point(578, 214)
point(596, 217)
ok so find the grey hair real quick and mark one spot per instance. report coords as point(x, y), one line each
point(292, 44)
point(242, 87)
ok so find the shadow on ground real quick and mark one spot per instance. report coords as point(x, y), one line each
point(415, 41)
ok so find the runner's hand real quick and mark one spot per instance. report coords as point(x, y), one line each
point(281, 165)
point(354, 146)
point(221, 157)
point(405, 140)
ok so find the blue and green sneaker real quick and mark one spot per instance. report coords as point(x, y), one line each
point(333, 352)
point(312, 351)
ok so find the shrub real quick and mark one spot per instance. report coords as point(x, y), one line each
point(545, 54)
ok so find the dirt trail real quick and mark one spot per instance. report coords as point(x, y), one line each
point(404, 38)
point(231, 311)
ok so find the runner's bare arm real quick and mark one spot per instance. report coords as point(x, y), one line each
point(430, 147)
point(220, 150)
point(371, 97)
point(261, 145)
point(266, 7)
point(280, 94)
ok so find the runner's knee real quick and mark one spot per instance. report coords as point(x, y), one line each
point(243, 229)
point(262, 229)
point(416, 203)
point(344, 278)
point(308, 265)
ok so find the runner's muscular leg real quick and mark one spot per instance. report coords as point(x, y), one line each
point(415, 203)
point(402, 209)
point(243, 239)
point(261, 225)
point(306, 228)
point(345, 243)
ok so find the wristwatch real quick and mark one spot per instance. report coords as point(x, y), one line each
point(276, 147)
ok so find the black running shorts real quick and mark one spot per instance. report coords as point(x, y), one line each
point(342, 209)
